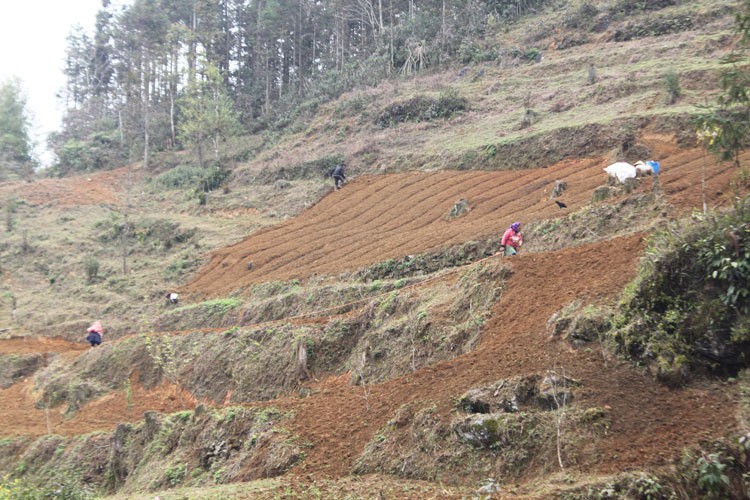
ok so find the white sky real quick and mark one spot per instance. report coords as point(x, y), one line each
point(32, 47)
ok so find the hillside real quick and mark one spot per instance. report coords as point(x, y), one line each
point(366, 343)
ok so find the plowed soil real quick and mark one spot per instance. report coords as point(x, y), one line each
point(377, 217)
point(91, 189)
point(651, 423)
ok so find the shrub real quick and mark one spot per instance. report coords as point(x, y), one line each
point(354, 106)
point(91, 267)
point(653, 27)
point(190, 176)
point(687, 307)
point(99, 151)
point(17, 489)
point(176, 474)
point(180, 177)
point(628, 7)
point(421, 108)
point(470, 51)
point(581, 18)
point(711, 477)
point(672, 85)
point(312, 169)
point(152, 234)
point(512, 9)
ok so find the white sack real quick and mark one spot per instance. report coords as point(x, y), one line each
point(621, 170)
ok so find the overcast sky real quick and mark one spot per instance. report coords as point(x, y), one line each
point(32, 41)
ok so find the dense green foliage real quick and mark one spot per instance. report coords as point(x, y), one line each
point(15, 142)
point(689, 306)
point(207, 114)
point(164, 74)
point(423, 108)
point(19, 490)
point(725, 129)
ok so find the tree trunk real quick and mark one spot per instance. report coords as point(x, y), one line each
point(267, 105)
point(145, 102)
point(390, 31)
point(380, 17)
point(442, 36)
point(216, 135)
point(192, 50)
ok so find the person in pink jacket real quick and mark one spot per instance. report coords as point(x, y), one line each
point(95, 333)
point(511, 240)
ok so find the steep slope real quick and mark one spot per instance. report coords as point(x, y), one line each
point(407, 213)
point(403, 213)
point(382, 215)
point(650, 423)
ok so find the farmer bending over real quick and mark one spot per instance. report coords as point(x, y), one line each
point(339, 177)
point(95, 332)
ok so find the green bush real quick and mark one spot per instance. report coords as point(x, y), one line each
point(711, 477)
point(153, 234)
point(654, 27)
point(513, 9)
point(353, 106)
point(672, 86)
point(312, 169)
point(91, 267)
point(190, 176)
point(176, 474)
point(688, 306)
point(532, 54)
point(99, 151)
point(628, 7)
point(180, 177)
point(422, 108)
point(18, 490)
point(582, 17)
point(471, 51)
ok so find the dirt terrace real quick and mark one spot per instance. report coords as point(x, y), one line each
point(374, 218)
point(91, 189)
point(650, 423)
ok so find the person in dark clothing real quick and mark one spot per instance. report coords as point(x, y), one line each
point(95, 333)
point(339, 177)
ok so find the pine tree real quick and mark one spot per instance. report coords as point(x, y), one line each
point(207, 114)
point(16, 148)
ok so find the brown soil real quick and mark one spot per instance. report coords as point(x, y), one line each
point(27, 345)
point(374, 218)
point(89, 189)
point(21, 417)
point(651, 423)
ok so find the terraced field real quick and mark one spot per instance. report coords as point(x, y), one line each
point(379, 217)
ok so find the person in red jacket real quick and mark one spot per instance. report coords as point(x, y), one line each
point(95, 332)
point(511, 240)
